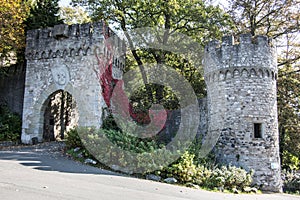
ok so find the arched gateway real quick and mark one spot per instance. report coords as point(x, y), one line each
point(240, 111)
point(67, 58)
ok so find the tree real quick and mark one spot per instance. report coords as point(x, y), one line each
point(289, 112)
point(12, 35)
point(280, 20)
point(289, 105)
point(193, 18)
point(74, 15)
point(270, 17)
point(275, 18)
point(43, 13)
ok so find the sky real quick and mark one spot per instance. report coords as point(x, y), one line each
point(64, 2)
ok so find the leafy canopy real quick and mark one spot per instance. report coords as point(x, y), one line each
point(43, 13)
point(12, 36)
point(74, 15)
point(193, 18)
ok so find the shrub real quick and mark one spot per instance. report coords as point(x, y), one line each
point(290, 161)
point(149, 155)
point(109, 123)
point(10, 125)
point(129, 142)
point(209, 176)
point(227, 177)
point(184, 170)
point(72, 139)
point(134, 154)
point(291, 181)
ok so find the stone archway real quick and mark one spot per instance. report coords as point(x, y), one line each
point(33, 124)
point(63, 58)
point(60, 115)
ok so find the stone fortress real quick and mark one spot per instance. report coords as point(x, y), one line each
point(240, 109)
point(242, 105)
point(64, 58)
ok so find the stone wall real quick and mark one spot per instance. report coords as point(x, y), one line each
point(174, 119)
point(241, 87)
point(67, 58)
point(12, 85)
point(239, 114)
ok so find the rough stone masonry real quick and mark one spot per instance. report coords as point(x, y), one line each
point(240, 109)
point(64, 58)
point(242, 106)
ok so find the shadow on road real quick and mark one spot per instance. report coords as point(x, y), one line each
point(48, 157)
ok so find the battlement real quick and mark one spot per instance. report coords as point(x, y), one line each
point(247, 52)
point(69, 40)
point(243, 39)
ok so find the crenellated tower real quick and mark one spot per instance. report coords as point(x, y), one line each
point(241, 86)
point(69, 58)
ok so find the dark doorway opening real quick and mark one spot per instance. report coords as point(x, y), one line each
point(60, 115)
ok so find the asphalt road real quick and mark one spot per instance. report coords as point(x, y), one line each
point(42, 172)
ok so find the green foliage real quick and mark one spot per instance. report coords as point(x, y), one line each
point(74, 15)
point(43, 13)
point(195, 148)
point(290, 161)
point(184, 170)
point(150, 156)
point(12, 35)
point(124, 139)
point(132, 153)
point(291, 182)
point(229, 177)
point(73, 140)
point(226, 177)
point(288, 115)
point(10, 125)
point(129, 142)
point(109, 123)
point(194, 18)
point(270, 17)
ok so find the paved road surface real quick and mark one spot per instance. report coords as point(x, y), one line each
point(42, 172)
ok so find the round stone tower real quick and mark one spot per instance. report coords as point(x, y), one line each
point(241, 90)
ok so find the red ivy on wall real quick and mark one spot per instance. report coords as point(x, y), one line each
point(104, 71)
point(109, 84)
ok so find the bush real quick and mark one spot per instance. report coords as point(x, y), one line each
point(225, 177)
point(109, 123)
point(291, 181)
point(149, 155)
point(126, 151)
point(129, 142)
point(290, 161)
point(184, 170)
point(228, 177)
point(73, 140)
point(10, 125)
